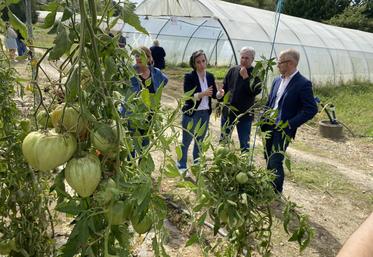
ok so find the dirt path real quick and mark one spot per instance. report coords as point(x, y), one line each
point(356, 176)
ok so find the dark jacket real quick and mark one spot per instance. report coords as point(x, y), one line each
point(297, 104)
point(191, 82)
point(158, 55)
point(242, 95)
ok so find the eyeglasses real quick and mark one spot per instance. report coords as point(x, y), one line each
point(286, 61)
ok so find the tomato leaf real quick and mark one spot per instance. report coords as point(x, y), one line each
point(201, 220)
point(128, 15)
point(71, 207)
point(17, 24)
point(142, 191)
point(62, 44)
point(59, 187)
point(288, 164)
point(110, 68)
point(72, 85)
point(187, 185)
point(190, 125)
point(147, 164)
point(67, 14)
point(145, 96)
point(178, 152)
point(50, 19)
point(171, 171)
point(226, 97)
point(192, 240)
point(54, 28)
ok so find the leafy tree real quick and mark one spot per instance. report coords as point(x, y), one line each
point(262, 4)
point(317, 10)
point(358, 17)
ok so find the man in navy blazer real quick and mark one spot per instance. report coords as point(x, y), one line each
point(292, 96)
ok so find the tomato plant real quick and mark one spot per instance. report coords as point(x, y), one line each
point(117, 193)
point(26, 226)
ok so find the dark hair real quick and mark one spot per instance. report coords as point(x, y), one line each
point(192, 60)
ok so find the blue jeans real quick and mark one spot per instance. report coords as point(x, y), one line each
point(188, 135)
point(275, 147)
point(243, 129)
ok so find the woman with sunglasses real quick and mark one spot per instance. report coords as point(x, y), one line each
point(198, 109)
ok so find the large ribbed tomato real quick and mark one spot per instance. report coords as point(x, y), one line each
point(48, 150)
point(83, 174)
point(71, 120)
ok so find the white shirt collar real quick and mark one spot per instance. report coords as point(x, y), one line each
point(291, 76)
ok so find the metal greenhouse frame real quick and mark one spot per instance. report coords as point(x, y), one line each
point(221, 29)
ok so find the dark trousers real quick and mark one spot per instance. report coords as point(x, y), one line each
point(274, 152)
point(243, 129)
point(21, 47)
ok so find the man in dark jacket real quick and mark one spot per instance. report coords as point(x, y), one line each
point(242, 88)
point(292, 97)
point(158, 55)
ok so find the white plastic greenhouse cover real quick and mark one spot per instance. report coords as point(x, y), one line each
point(221, 29)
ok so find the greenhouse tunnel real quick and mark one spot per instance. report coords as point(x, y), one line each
point(328, 53)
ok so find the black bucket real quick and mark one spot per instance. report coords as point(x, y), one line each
point(329, 130)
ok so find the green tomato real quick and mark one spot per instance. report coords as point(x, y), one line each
point(47, 150)
point(242, 178)
point(72, 121)
point(83, 174)
point(25, 125)
point(143, 225)
point(42, 118)
point(103, 138)
point(114, 214)
point(106, 194)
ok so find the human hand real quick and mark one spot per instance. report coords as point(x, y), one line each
point(221, 92)
point(207, 92)
point(243, 72)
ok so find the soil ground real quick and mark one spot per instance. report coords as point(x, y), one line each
point(331, 180)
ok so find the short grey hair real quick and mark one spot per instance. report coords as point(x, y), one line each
point(292, 53)
point(156, 42)
point(248, 50)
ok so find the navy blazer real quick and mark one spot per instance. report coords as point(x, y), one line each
point(297, 104)
point(191, 82)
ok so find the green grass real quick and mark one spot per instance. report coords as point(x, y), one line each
point(354, 105)
point(41, 36)
point(325, 178)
